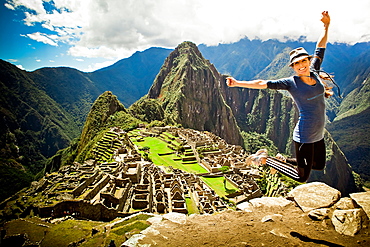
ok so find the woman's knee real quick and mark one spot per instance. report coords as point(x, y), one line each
point(303, 174)
point(318, 166)
point(302, 179)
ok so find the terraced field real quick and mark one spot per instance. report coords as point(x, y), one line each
point(160, 153)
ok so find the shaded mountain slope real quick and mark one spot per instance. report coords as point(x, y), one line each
point(70, 88)
point(32, 127)
point(351, 128)
point(352, 135)
point(76, 91)
point(130, 79)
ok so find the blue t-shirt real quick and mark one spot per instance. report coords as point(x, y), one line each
point(310, 101)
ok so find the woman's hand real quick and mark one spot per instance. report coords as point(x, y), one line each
point(325, 18)
point(231, 82)
point(323, 39)
point(255, 84)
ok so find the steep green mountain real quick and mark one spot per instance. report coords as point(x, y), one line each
point(107, 112)
point(32, 127)
point(351, 128)
point(188, 87)
point(103, 108)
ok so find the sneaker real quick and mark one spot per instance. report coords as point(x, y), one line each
point(280, 157)
point(257, 159)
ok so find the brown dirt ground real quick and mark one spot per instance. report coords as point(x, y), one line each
point(237, 228)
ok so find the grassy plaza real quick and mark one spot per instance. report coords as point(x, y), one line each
point(161, 155)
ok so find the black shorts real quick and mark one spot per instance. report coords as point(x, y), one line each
point(309, 156)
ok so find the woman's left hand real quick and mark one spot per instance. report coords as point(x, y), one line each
point(325, 18)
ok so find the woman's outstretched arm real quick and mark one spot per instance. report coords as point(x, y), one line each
point(255, 84)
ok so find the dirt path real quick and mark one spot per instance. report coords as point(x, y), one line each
point(290, 227)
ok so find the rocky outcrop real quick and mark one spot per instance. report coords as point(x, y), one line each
point(321, 201)
point(189, 88)
point(363, 200)
point(314, 195)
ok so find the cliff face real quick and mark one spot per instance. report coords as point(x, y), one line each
point(263, 111)
point(337, 173)
point(189, 88)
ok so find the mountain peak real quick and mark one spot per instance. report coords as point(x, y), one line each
point(104, 106)
point(189, 86)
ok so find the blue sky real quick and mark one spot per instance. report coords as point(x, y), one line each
point(91, 34)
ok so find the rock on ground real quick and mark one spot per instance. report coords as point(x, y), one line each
point(314, 195)
point(363, 200)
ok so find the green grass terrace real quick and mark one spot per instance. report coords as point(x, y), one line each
point(162, 155)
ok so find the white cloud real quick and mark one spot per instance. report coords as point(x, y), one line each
point(116, 28)
point(96, 66)
point(20, 67)
point(44, 38)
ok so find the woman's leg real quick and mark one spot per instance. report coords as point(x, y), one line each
point(305, 157)
point(309, 156)
point(319, 161)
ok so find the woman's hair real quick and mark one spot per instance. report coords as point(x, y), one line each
point(328, 92)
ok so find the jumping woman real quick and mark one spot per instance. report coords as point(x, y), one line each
point(308, 93)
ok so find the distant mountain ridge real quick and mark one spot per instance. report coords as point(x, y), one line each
point(129, 79)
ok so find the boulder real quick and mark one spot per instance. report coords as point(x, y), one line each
point(272, 218)
point(345, 203)
point(314, 195)
point(319, 214)
point(270, 203)
point(363, 200)
point(266, 203)
point(348, 222)
point(245, 206)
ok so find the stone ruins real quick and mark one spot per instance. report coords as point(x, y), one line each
point(118, 182)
